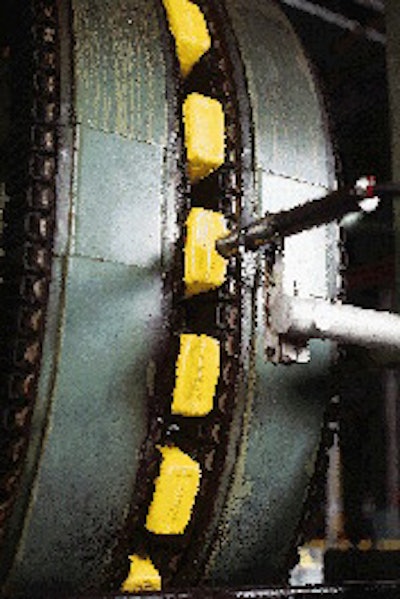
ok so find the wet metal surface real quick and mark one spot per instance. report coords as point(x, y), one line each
point(120, 69)
point(282, 424)
point(103, 322)
point(110, 316)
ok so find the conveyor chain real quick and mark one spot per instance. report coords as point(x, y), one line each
point(27, 237)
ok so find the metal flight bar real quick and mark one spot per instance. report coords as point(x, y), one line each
point(301, 319)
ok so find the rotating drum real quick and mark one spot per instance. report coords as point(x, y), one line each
point(94, 305)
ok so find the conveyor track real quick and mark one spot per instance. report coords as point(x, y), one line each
point(222, 314)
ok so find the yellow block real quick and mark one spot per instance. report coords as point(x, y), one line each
point(143, 576)
point(204, 267)
point(204, 125)
point(197, 372)
point(189, 28)
point(175, 493)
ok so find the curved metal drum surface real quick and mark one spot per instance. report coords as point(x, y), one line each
point(107, 312)
point(282, 424)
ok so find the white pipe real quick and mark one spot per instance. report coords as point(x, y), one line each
point(315, 318)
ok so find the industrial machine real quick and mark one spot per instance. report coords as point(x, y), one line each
point(186, 401)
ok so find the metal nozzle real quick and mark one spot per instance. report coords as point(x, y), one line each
point(314, 213)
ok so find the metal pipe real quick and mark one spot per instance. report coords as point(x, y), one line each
point(377, 5)
point(315, 318)
point(336, 19)
point(288, 222)
point(311, 214)
point(333, 206)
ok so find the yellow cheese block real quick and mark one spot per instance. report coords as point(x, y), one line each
point(197, 372)
point(189, 28)
point(204, 267)
point(175, 493)
point(204, 126)
point(143, 576)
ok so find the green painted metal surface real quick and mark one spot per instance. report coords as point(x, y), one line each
point(282, 424)
point(119, 68)
point(97, 423)
point(106, 315)
point(118, 211)
point(290, 129)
